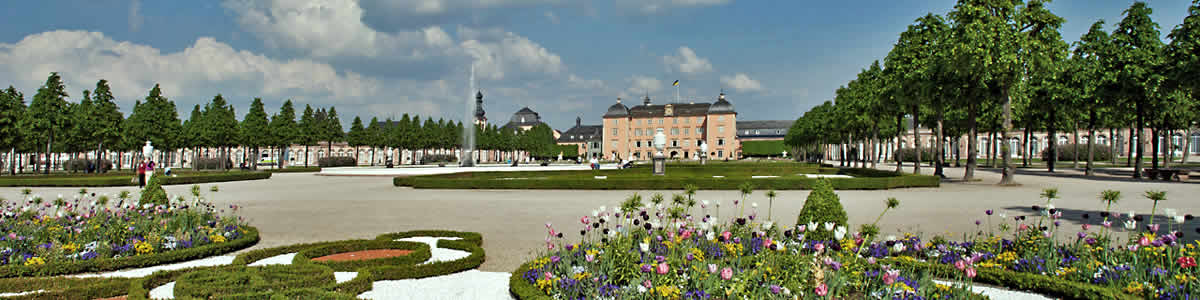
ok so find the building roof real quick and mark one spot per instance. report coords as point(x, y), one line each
point(617, 110)
point(763, 129)
point(677, 109)
point(524, 117)
point(582, 134)
point(721, 106)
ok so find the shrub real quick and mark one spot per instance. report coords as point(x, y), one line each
point(337, 161)
point(1066, 152)
point(764, 148)
point(438, 158)
point(251, 281)
point(910, 154)
point(211, 163)
point(154, 193)
point(821, 206)
point(81, 165)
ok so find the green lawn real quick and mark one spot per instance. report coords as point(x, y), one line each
point(786, 176)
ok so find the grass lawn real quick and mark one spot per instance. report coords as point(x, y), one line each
point(772, 175)
point(125, 178)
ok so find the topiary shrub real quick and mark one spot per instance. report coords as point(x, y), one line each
point(438, 158)
point(821, 206)
point(1066, 152)
point(154, 193)
point(337, 161)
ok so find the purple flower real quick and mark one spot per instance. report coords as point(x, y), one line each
point(647, 269)
point(976, 222)
point(555, 259)
point(1082, 234)
point(989, 212)
point(775, 289)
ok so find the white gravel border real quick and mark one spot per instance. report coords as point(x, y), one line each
point(166, 291)
point(282, 259)
point(471, 284)
point(143, 272)
point(21, 293)
point(999, 293)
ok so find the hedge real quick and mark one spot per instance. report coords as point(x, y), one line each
point(81, 164)
point(764, 148)
point(294, 170)
point(857, 183)
point(1066, 152)
point(110, 264)
point(65, 288)
point(139, 289)
point(212, 164)
point(420, 253)
point(127, 180)
point(910, 154)
point(337, 161)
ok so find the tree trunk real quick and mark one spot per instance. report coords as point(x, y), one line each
point(1137, 163)
point(1026, 147)
point(1052, 141)
point(916, 117)
point(941, 148)
point(1170, 148)
point(1089, 170)
point(1009, 172)
point(1187, 144)
point(306, 155)
point(1154, 147)
point(875, 146)
point(899, 135)
point(1130, 141)
point(991, 151)
point(48, 159)
point(1075, 146)
point(969, 173)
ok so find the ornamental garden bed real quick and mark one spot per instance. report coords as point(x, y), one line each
point(717, 176)
point(104, 180)
point(669, 249)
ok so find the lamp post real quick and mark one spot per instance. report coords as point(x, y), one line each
point(660, 160)
point(703, 153)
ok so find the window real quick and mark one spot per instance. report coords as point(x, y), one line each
point(674, 120)
point(686, 142)
point(720, 129)
point(660, 130)
point(638, 121)
point(685, 131)
point(614, 144)
point(615, 130)
point(614, 122)
point(1195, 143)
point(720, 118)
point(720, 142)
point(660, 121)
point(1100, 139)
point(756, 132)
point(747, 132)
point(698, 142)
point(674, 131)
point(687, 120)
point(720, 153)
point(699, 130)
point(779, 131)
point(639, 144)
point(637, 132)
point(1063, 140)
point(674, 143)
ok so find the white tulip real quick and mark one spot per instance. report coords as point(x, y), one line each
point(898, 247)
point(1130, 224)
point(767, 225)
point(829, 226)
point(839, 233)
point(891, 238)
point(704, 202)
point(1002, 215)
point(1179, 219)
point(645, 247)
point(1131, 214)
point(1170, 212)
point(812, 225)
point(710, 235)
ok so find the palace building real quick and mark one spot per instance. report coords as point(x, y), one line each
point(628, 132)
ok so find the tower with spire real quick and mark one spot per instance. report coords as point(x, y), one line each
point(480, 119)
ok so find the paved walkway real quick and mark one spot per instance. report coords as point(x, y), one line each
point(300, 208)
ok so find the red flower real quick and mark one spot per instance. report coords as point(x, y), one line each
point(1185, 262)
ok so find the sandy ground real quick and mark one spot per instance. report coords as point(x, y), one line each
point(303, 208)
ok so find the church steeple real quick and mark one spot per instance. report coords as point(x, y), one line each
point(479, 113)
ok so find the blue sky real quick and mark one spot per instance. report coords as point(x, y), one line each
point(562, 58)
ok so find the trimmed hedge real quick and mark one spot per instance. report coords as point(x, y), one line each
point(251, 282)
point(521, 289)
point(910, 154)
point(212, 164)
point(65, 288)
point(127, 180)
point(293, 170)
point(337, 161)
point(420, 253)
point(764, 148)
point(110, 264)
point(81, 165)
point(858, 183)
point(1066, 152)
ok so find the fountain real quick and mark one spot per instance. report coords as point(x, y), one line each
point(467, 159)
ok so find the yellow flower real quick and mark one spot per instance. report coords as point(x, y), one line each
point(697, 254)
point(70, 247)
point(216, 238)
point(35, 261)
point(902, 285)
point(1134, 288)
point(581, 276)
point(668, 292)
point(143, 247)
point(1008, 256)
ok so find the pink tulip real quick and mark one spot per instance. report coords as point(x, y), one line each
point(822, 289)
point(590, 257)
point(890, 276)
point(712, 268)
point(871, 260)
point(663, 268)
point(767, 242)
point(548, 276)
point(1023, 227)
point(727, 273)
point(819, 247)
point(801, 228)
point(584, 220)
point(971, 272)
point(1106, 224)
point(726, 235)
point(1153, 227)
point(1144, 241)
point(647, 284)
point(1086, 226)
point(547, 225)
point(960, 265)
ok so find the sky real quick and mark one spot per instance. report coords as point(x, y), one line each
point(561, 58)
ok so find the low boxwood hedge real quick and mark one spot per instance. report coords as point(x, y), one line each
point(420, 253)
point(139, 289)
point(127, 180)
point(294, 170)
point(251, 282)
point(782, 183)
point(64, 288)
point(249, 238)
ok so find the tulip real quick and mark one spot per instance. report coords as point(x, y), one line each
point(829, 226)
point(1143, 241)
point(960, 265)
point(712, 268)
point(726, 235)
point(727, 273)
point(971, 272)
point(663, 268)
point(822, 289)
point(1086, 226)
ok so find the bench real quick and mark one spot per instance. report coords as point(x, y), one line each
point(1168, 174)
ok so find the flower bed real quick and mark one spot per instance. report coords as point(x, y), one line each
point(671, 250)
point(87, 234)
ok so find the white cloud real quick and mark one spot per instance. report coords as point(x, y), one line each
point(333, 30)
point(687, 62)
point(577, 82)
point(741, 82)
point(640, 85)
point(205, 68)
point(434, 7)
point(650, 7)
point(135, 15)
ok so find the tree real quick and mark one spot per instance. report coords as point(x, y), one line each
point(309, 131)
point(190, 137)
point(283, 130)
point(12, 111)
point(357, 136)
point(106, 121)
point(1089, 78)
point(986, 43)
point(429, 136)
point(373, 136)
point(1183, 65)
point(154, 120)
point(333, 130)
point(1136, 48)
point(220, 128)
point(48, 114)
point(255, 129)
point(79, 135)
point(915, 63)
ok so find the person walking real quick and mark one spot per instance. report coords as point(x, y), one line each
point(141, 172)
point(149, 170)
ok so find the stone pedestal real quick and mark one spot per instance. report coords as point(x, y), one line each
point(660, 165)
